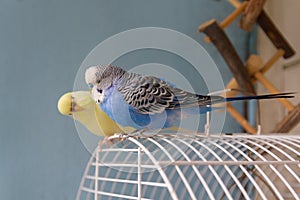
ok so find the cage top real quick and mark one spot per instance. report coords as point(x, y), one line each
point(193, 167)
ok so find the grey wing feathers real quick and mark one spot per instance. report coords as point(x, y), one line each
point(147, 94)
point(150, 95)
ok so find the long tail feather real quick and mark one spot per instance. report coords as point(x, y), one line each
point(258, 97)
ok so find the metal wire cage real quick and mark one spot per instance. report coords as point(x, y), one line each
point(195, 167)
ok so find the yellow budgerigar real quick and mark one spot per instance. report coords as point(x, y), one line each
point(80, 106)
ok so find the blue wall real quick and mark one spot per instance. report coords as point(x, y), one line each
point(42, 44)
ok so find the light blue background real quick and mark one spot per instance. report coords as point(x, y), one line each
point(42, 44)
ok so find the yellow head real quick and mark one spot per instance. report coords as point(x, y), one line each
point(67, 104)
point(80, 106)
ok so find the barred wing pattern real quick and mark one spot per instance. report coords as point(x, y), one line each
point(150, 95)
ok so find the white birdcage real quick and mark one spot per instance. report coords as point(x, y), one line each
point(234, 166)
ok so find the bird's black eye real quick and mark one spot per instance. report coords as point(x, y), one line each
point(100, 91)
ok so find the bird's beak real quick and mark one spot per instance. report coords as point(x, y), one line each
point(73, 102)
point(75, 107)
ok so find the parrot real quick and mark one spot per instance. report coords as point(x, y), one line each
point(147, 102)
point(81, 107)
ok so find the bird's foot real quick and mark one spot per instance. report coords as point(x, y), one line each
point(120, 136)
point(140, 133)
point(107, 141)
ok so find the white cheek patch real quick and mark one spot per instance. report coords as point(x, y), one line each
point(97, 96)
point(101, 98)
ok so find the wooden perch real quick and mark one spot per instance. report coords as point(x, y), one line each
point(254, 60)
point(254, 63)
point(271, 31)
point(289, 121)
point(232, 84)
point(230, 18)
point(223, 44)
point(251, 14)
point(274, 35)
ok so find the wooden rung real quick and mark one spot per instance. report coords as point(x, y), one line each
point(230, 18)
point(271, 88)
point(232, 84)
point(235, 3)
point(289, 121)
point(271, 61)
point(254, 64)
point(240, 119)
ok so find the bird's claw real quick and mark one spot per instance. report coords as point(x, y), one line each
point(140, 133)
point(107, 141)
point(121, 136)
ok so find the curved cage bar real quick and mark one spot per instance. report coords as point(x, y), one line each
point(195, 167)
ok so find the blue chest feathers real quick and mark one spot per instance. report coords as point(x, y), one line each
point(125, 115)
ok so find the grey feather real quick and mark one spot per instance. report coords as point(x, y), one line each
point(150, 95)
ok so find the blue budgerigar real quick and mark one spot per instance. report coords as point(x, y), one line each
point(142, 101)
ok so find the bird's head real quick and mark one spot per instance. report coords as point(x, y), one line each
point(101, 78)
point(93, 75)
point(74, 102)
